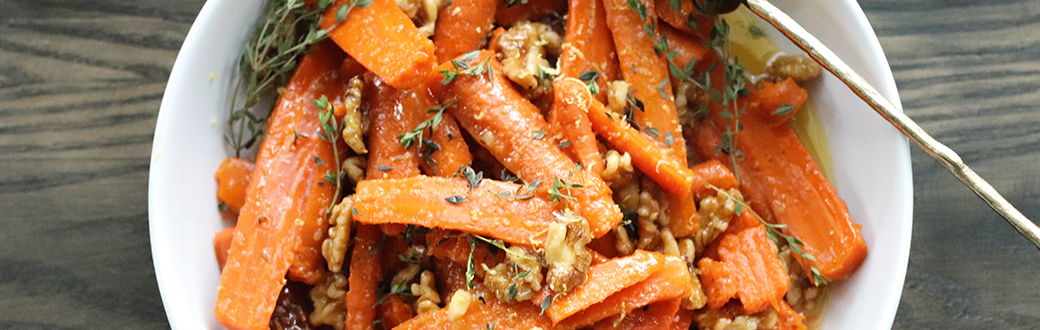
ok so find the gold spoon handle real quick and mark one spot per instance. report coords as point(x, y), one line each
point(825, 57)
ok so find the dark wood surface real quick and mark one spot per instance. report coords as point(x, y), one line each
point(81, 82)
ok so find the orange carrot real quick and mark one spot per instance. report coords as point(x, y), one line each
point(350, 68)
point(604, 245)
point(365, 274)
point(491, 209)
point(285, 202)
point(760, 275)
point(682, 321)
point(589, 44)
point(658, 315)
point(682, 18)
point(647, 73)
point(671, 280)
point(393, 113)
point(603, 281)
point(567, 118)
point(687, 48)
point(232, 180)
point(681, 210)
point(711, 172)
point(222, 245)
point(718, 282)
point(787, 318)
point(531, 10)
point(448, 150)
point(508, 125)
point(489, 314)
point(383, 39)
point(461, 27)
point(786, 186)
point(394, 311)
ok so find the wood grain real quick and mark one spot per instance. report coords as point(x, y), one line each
point(81, 82)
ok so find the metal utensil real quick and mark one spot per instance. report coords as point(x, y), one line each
point(825, 57)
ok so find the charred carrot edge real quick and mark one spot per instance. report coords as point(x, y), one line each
point(687, 47)
point(508, 125)
point(287, 186)
point(647, 73)
point(392, 112)
point(365, 274)
point(671, 280)
point(434, 202)
point(568, 119)
point(383, 39)
point(232, 181)
point(588, 44)
point(532, 10)
point(757, 269)
point(483, 315)
point(658, 315)
point(680, 19)
point(222, 245)
point(603, 281)
point(462, 26)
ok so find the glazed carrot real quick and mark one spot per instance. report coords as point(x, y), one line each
point(671, 280)
point(718, 282)
point(647, 73)
point(392, 112)
point(350, 67)
point(448, 150)
point(603, 281)
point(787, 318)
point(222, 245)
point(232, 180)
point(490, 314)
point(507, 125)
point(461, 27)
point(383, 39)
point(760, 275)
point(450, 204)
point(589, 46)
point(531, 10)
point(681, 18)
point(711, 172)
point(784, 184)
point(604, 245)
point(682, 321)
point(394, 311)
point(365, 274)
point(681, 210)
point(658, 315)
point(567, 118)
point(285, 202)
point(687, 48)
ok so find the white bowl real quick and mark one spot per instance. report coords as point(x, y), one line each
point(871, 163)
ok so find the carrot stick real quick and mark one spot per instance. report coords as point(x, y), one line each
point(752, 257)
point(383, 39)
point(711, 172)
point(786, 186)
point(394, 311)
point(448, 150)
point(718, 282)
point(787, 318)
point(508, 125)
point(489, 314)
point(589, 46)
point(461, 27)
point(647, 72)
point(682, 18)
point(434, 202)
point(232, 180)
point(603, 281)
point(393, 113)
point(287, 187)
point(681, 210)
point(222, 245)
point(658, 315)
point(365, 274)
point(567, 118)
point(532, 10)
point(687, 48)
point(671, 280)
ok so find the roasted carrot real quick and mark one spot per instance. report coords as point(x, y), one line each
point(567, 118)
point(671, 280)
point(787, 318)
point(682, 321)
point(530, 10)
point(392, 112)
point(232, 180)
point(286, 200)
point(784, 185)
point(222, 245)
point(443, 150)
point(365, 274)
point(383, 39)
point(759, 272)
point(646, 72)
point(462, 26)
point(720, 285)
point(656, 316)
point(489, 314)
point(508, 126)
point(490, 209)
point(350, 68)
point(603, 281)
point(687, 48)
point(589, 46)
point(711, 172)
point(680, 211)
point(685, 18)
point(394, 311)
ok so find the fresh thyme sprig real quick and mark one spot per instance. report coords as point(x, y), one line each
point(774, 233)
point(286, 29)
point(462, 65)
point(591, 80)
point(329, 132)
point(416, 135)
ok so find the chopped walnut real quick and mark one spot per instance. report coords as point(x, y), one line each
point(689, 100)
point(334, 248)
point(422, 12)
point(404, 276)
point(715, 213)
point(525, 49)
point(617, 96)
point(355, 168)
point(354, 126)
point(517, 278)
point(330, 306)
point(623, 244)
point(718, 320)
point(459, 304)
point(426, 290)
point(801, 294)
point(797, 67)
point(565, 251)
point(649, 210)
point(615, 163)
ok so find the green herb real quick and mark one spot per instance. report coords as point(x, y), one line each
point(564, 144)
point(471, 269)
point(510, 3)
point(472, 176)
point(784, 109)
point(446, 3)
point(545, 304)
point(669, 139)
point(318, 161)
point(555, 194)
point(529, 193)
point(329, 132)
point(265, 255)
point(591, 79)
point(416, 135)
point(462, 65)
point(538, 135)
point(455, 199)
point(661, 88)
point(222, 207)
point(756, 31)
point(653, 132)
point(384, 168)
point(411, 231)
point(401, 289)
point(429, 147)
point(512, 292)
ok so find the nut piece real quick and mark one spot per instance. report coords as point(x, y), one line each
point(354, 126)
point(715, 213)
point(565, 251)
point(617, 96)
point(334, 248)
point(517, 278)
point(459, 304)
point(797, 67)
point(355, 167)
point(525, 48)
point(329, 305)
point(426, 290)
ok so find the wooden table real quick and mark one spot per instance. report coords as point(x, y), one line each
point(81, 82)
